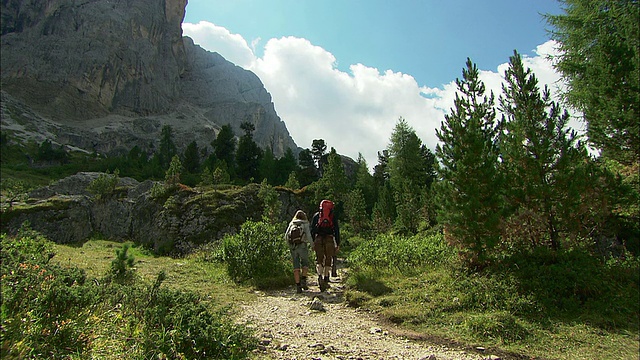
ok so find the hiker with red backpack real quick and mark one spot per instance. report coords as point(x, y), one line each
point(326, 234)
point(298, 236)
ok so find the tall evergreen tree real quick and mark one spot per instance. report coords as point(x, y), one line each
point(318, 150)
point(206, 179)
point(221, 173)
point(600, 59)
point(407, 175)
point(333, 184)
point(284, 166)
point(172, 175)
point(292, 182)
point(167, 146)
point(365, 183)
point(384, 210)
point(542, 158)
point(268, 167)
point(191, 158)
point(356, 210)
point(248, 154)
point(224, 148)
point(308, 172)
point(468, 190)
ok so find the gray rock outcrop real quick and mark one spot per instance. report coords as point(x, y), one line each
point(66, 212)
point(105, 76)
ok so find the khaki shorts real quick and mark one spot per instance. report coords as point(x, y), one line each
point(299, 255)
point(325, 248)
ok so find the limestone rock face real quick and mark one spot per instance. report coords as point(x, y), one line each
point(105, 76)
point(65, 212)
point(82, 59)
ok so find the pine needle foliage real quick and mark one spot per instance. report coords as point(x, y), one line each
point(468, 155)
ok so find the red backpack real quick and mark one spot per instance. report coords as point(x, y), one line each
point(325, 218)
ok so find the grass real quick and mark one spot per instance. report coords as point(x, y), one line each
point(502, 308)
point(436, 300)
point(429, 305)
point(209, 279)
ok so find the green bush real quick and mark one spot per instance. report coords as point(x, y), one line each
point(50, 311)
point(104, 184)
point(121, 269)
point(179, 325)
point(569, 282)
point(402, 253)
point(43, 306)
point(258, 253)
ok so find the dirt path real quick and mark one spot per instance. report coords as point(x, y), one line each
point(288, 328)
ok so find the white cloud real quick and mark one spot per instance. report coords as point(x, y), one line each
point(356, 111)
point(216, 38)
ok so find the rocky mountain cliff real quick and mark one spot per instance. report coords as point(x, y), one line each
point(105, 76)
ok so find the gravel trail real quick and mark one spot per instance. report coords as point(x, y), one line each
point(289, 327)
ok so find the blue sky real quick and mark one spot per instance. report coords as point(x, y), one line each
point(345, 71)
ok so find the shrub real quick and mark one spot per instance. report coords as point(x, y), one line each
point(121, 269)
point(42, 304)
point(49, 311)
point(570, 282)
point(401, 253)
point(104, 184)
point(258, 253)
point(180, 325)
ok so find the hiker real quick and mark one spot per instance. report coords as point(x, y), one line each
point(326, 243)
point(298, 236)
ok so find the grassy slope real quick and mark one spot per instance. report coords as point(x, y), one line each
point(430, 307)
point(518, 313)
point(208, 279)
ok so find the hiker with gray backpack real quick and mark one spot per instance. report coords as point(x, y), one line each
point(326, 241)
point(298, 236)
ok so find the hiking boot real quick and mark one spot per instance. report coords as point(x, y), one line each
point(322, 284)
point(326, 282)
point(334, 274)
point(298, 289)
point(303, 283)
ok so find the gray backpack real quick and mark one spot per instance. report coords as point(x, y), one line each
point(295, 234)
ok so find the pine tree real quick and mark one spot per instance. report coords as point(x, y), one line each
point(292, 182)
point(384, 210)
point(542, 159)
point(267, 167)
point(191, 158)
point(308, 172)
point(356, 210)
point(224, 148)
point(318, 149)
point(365, 183)
point(167, 146)
point(407, 175)
point(468, 190)
point(285, 165)
point(248, 155)
point(172, 176)
point(207, 177)
point(600, 60)
point(221, 174)
point(333, 184)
